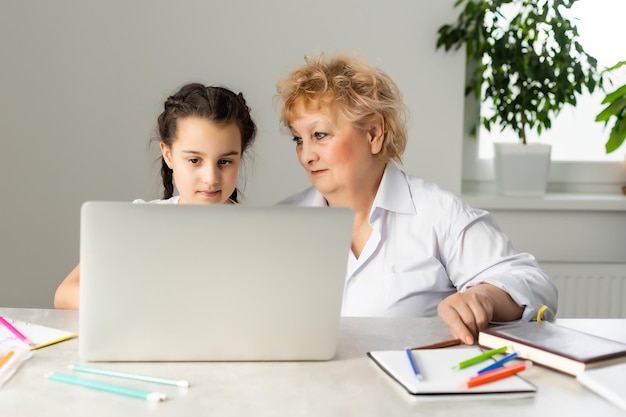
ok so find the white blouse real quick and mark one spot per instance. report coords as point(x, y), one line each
point(426, 244)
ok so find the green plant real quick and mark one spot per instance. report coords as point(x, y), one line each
point(616, 107)
point(525, 58)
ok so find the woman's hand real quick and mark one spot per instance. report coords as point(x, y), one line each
point(467, 312)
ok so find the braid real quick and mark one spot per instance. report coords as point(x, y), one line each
point(233, 196)
point(173, 102)
point(168, 182)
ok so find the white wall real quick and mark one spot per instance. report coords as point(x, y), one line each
point(82, 82)
point(582, 250)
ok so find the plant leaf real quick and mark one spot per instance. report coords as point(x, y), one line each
point(616, 66)
point(618, 134)
point(615, 94)
point(614, 109)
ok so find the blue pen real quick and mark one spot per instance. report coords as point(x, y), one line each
point(416, 370)
point(499, 363)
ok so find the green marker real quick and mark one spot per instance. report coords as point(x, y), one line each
point(480, 358)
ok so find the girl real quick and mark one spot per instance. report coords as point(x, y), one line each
point(203, 133)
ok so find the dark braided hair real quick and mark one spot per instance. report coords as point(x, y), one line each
point(216, 104)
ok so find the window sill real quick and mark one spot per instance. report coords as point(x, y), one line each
point(549, 202)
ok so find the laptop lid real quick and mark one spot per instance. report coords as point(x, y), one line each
point(211, 282)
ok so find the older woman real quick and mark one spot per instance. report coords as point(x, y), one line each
point(417, 250)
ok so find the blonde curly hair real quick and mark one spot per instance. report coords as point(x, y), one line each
point(360, 91)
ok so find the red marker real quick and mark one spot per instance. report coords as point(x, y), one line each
point(496, 374)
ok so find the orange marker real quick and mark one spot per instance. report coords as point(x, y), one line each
point(6, 358)
point(496, 374)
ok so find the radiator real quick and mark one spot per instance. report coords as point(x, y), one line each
point(589, 290)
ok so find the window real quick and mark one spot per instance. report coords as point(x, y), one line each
point(580, 162)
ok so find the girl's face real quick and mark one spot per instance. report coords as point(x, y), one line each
point(205, 159)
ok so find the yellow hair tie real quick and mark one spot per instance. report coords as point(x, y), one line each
point(540, 312)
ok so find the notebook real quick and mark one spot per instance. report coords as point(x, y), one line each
point(560, 348)
point(211, 282)
point(39, 336)
point(441, 382)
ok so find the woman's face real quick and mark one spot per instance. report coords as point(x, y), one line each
point(338, 158)
point(205, 159)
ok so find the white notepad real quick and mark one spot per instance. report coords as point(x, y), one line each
point(440, 381)
point(40, 336)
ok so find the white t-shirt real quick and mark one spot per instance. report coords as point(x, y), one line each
point(426, 244)
point(171, 200)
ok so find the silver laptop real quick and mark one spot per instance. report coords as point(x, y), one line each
point(211, 282)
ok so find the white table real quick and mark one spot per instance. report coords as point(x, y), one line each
point(348, 385)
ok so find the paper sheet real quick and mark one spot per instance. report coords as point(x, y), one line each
point(40, 336)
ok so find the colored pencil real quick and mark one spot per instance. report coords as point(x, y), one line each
point(496, 374)
point(414, 366)
point(15, 332)
point(498, 363)
point(480, 358)
point(438, 345)
point(6, 358)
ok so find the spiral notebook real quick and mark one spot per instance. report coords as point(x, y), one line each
point(442, 382)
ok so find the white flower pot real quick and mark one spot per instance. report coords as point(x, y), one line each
point(522, 170)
